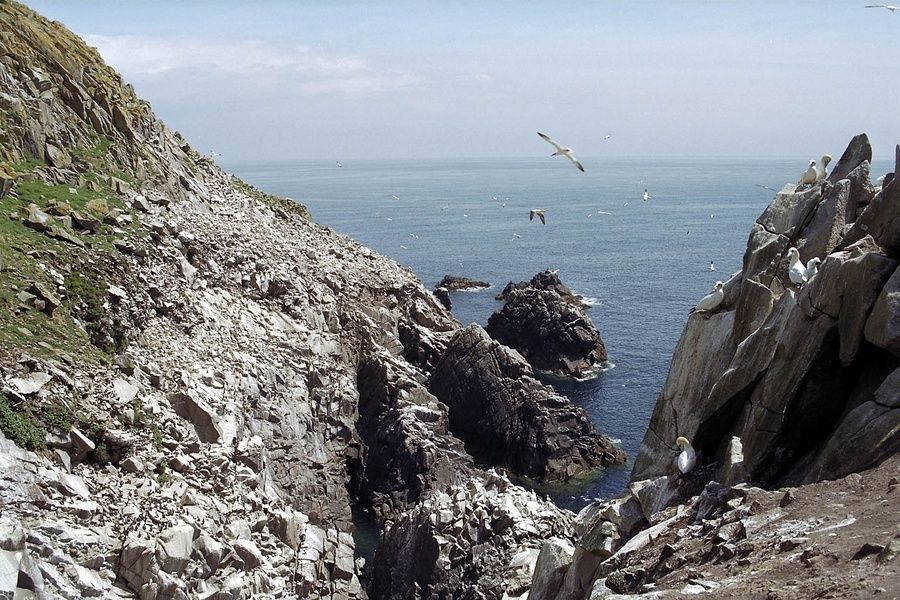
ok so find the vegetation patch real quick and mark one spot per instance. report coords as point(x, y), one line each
point(19, 427)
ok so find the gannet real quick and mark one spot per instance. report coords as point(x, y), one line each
point(821, 171)
point(687, 458)
point(607, 136)
point(812, 267)
point(395, 197)
point(540, 215)
point(887, 6)
point(711, 301)
point(338, 163)
point(560, 151)
point(796, 269)
point(712, 267)
point(646, 195)
point(809, 176)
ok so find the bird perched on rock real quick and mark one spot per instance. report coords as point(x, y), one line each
point(796, 268)
point(537, 212)
point(560, 151)
point(809, 176)
point(687, 458)
point(711, 301)
point(821, 171)
point(812, 267)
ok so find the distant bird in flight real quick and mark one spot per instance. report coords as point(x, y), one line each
point(338, 163)
point(395, 197)
point(607, 136)
point(214, 154)
point(539, 212)
point(646, 195)
point(516, 236)
point(712, 267)
point(887, 6)
point(560, 151)
point(765, 187)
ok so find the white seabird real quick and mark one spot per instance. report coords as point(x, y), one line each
point(821, 171)
point(687, 458)
point(395, 197)
point(560, 151)
point(338, 163)
point(812, 267)
point(765, 187)
point(809, 176)
point(413, 235)
point(796, 268)
point(539, 212)
point(712, 267)
point(711, 301)
point(887, 6)
point(607, 136)
point(646, 195)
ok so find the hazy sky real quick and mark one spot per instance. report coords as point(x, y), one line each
point(342, 80)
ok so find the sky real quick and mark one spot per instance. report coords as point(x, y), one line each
point(293, 80)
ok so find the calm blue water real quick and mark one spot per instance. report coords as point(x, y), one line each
point(645, 264)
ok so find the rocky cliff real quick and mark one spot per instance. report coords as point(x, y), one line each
point(199, 382)
point(802, 377)
point(779, 386)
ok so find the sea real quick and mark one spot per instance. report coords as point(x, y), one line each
point(641, 265)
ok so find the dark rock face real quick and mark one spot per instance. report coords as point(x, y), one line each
point(454, 283)
point(407, 447)
point(551, 330)
point(443, 296)
point(545, 280)
point(507, 417)
point(797, 376)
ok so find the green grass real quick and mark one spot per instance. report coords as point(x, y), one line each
point(19, 428)
point(55, 414)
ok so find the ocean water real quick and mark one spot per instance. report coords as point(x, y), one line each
point(642, 265)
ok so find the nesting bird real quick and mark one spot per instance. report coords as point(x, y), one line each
point(810, 175)
point(821, 171)
point(687, 458)
point(711, 301)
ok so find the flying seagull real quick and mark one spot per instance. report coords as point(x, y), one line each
point(887, 6)
point(646, 195)
point(395, 197)
point(560, 151)
point(338, 163)
point(607, 136)
point(540, 215)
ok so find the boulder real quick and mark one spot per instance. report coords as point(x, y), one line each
point(199, 414)
point(545, 280)
point(550, 568)
point(174, 547)
point(858, 151)
point(883, 324)
point(36, 218)
point(521, 424)
point(443, 296)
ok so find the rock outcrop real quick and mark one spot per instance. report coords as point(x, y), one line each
point(545, 280)
point(795, 374)
point(549, 327)
point(506, 417)
point(454, 283)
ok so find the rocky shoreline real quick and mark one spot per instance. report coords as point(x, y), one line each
point(199, 382)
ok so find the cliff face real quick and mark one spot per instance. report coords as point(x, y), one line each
point(778, 386)
point(198, 381)
point(804, 378)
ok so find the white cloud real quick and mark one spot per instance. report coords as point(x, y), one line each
point(251, 63)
